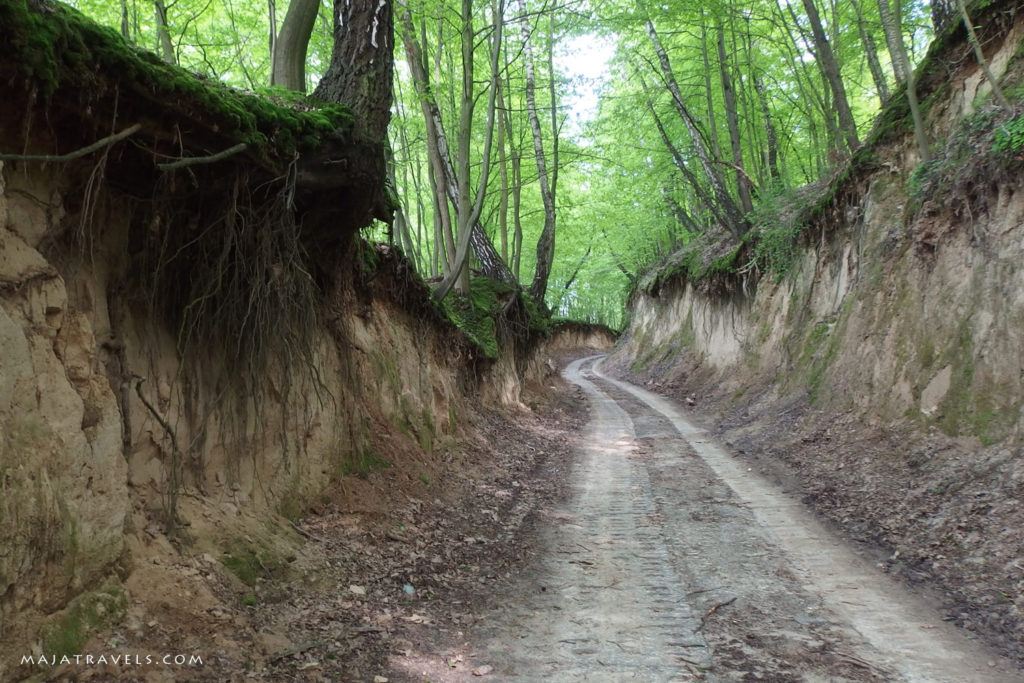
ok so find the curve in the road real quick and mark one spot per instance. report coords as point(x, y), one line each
point(907, 636)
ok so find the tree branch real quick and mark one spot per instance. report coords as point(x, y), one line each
point(195, 161)
point(99, 144)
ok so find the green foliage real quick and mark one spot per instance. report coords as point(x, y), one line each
point(819, 351)
point(227, 41)
point(477, 315)
point(363, 463)
point(779, 221)
point(68, 634)
point(250, 563)
point(245, 566)
point(60, 48)
point(1009, 137)
point(618, 187)
point(776, 249)
point(982, 147)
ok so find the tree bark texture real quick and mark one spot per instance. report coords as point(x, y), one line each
point(871, 54)
point(716, 149)
point(469, 213)
point(772, 151)
point(288, 69)
point(731, 216)
point(742, 180)
point(546, 241)
point(893, 40)
point(830, 69)
point(163, 32)
point(361, 65)
point(444, 173)
point(898, 52)
point(943, 14)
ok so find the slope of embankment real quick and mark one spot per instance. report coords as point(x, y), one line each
point(868, 348)
point(195, 342)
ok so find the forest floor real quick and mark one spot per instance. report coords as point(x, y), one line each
point(611, 540)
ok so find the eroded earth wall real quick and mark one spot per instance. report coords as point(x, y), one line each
point(112, 446)
point(882, 377)
point(898, 310)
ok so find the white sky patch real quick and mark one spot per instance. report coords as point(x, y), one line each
point(584, 60)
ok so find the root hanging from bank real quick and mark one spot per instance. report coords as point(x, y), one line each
point(223, 263)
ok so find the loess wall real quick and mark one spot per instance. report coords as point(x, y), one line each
point(105, 433)
point(112, 446)
point(881, 379)
point(894, 308)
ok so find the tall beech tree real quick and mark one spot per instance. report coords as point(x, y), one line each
point(904, 72)
point(288, 52)
point(707, 112)
point(451, 182)
point(731, 216)
point(546, 242)
point(830, 70)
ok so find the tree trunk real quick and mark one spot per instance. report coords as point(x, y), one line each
point(682, 218)
point(677, 158)
point(893, 40)
point(979, 54)
point(709, 93)
point(288, 65)
point(272, 32)
point(439, 263)
point(437, 142)
point(732, 218)
point(943, 14)
point(463, 207)
point(552, 92)
point(894, 37)
point(769, 125)
point(503, 174)
point(742, 180)
point(445, 177)
point(517, 191)
point(546, 241)
point(163, 32)
point(360, 72)
point(125, 33)
point(751, 104)
point(871, 54)
point(830, 69)
point(517, 201)
point(470, 232)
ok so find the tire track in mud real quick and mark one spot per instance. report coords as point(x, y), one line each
point(671, 562)
point(605, 602)
point(806, 607)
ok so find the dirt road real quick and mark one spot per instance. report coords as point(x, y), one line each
point(671, 561)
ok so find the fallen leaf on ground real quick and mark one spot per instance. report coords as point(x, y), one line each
point(417, 619)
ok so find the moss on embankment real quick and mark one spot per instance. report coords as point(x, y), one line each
point(64, 58)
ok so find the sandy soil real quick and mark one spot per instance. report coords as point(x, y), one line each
point(940, 514)
point(670, 560)
point(603, 536)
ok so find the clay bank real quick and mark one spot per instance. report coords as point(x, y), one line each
point(870, 343)
point(195, 342)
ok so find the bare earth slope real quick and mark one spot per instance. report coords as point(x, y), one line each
point(671, 560)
